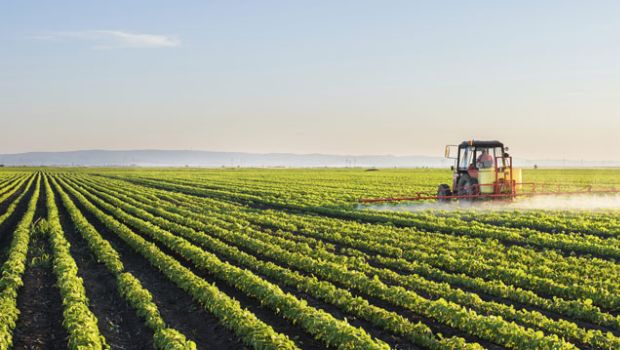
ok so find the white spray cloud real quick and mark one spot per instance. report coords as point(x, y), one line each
point(576, 202)
point(558, 202)
point(114, 39)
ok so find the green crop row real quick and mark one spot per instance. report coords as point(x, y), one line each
point(418, 333)
point(129, 286)
point(11, 208)
point(79, 320)
point(322, 325)
point(609, 300)
point(243, 323)
point(572, 308)
point(13, 270)
point(486, 327)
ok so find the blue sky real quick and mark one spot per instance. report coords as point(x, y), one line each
point(346, 77)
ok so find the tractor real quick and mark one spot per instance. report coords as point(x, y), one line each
point(483, 170)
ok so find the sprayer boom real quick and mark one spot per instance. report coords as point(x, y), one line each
point(535, 189)
point(483, 170)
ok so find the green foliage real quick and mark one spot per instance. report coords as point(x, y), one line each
point(129, 287)
point(521, 279)
point(14, 267)
point(242, 322)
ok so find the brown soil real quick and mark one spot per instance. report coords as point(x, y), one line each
point(39, 325)
point(118, 321)
point(175, 305)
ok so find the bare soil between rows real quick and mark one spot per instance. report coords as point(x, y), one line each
point(39, 326)
point(177, 308)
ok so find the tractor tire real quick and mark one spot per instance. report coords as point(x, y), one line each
point(444, 190)
point(468, 186)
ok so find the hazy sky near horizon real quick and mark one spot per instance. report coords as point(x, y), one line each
point(340, 77)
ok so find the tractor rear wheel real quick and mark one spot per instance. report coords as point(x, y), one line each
point(468, 186)
point(442, 191)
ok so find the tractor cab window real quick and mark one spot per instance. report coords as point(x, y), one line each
point(485, 158)
point(479, 157)
point(466, 157)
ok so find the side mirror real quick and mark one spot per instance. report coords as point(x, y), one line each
point(447, 151)
point(452, 167)
point(506, 149)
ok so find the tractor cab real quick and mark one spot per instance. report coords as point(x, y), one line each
point(481, 167)
point(478, 155)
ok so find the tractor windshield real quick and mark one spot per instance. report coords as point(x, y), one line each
point(478, 157)
point(486, 157)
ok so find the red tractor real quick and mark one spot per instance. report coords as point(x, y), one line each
point(483, 170)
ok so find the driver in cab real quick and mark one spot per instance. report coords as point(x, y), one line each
point(485, 160)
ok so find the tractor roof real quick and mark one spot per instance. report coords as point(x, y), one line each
point(477, 143)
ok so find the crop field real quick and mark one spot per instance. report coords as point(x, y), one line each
point(286, 259)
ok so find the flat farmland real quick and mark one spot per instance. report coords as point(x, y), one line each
point(108, 258)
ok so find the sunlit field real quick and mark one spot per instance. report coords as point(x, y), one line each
point(288, 259)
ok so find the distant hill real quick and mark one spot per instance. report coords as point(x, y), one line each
point(173, 158)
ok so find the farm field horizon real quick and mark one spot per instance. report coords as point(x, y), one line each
point(310, 175)
point(242, 258)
